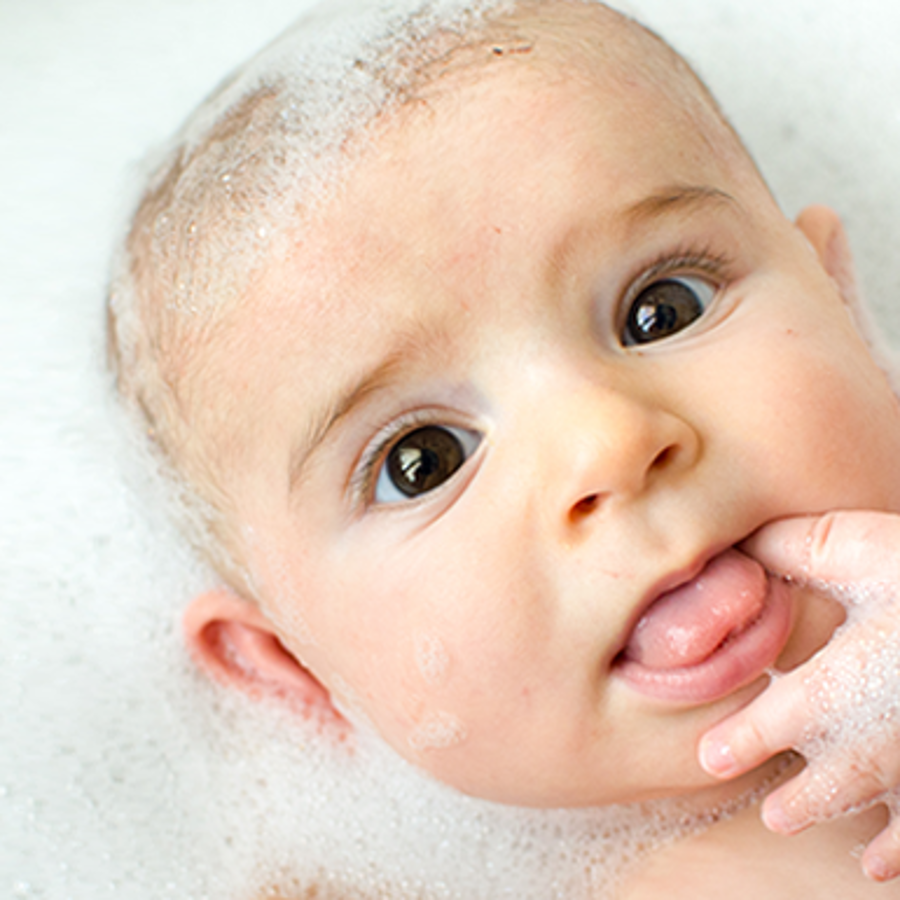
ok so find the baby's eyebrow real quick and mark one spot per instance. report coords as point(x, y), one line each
point(412, 345)
point(677, 198)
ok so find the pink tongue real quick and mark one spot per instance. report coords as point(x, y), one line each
point(686, 625)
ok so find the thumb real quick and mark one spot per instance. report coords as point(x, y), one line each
point(855, 547)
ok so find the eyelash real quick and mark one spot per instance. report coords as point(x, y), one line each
point(703, 260)
point(362, 482)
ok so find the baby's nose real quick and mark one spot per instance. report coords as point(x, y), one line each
point(610, 446)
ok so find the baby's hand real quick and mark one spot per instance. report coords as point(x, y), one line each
point(841, 709)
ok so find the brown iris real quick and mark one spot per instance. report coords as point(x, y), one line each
point(424, 459)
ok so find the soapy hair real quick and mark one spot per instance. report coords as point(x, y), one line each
point(265, 149)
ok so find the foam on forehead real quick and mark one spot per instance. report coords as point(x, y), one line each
point(273, 136)
point(337, 67)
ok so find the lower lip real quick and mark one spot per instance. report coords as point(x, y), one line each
point(740, 660)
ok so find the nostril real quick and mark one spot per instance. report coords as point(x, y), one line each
point(584, 507)
point(663, 458)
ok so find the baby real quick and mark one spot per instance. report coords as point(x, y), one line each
point(481, 348)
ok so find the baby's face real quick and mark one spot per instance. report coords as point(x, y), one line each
point(524, 385)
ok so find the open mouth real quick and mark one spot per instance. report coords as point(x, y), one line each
point(709, 636)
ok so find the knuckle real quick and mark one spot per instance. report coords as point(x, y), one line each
point(865, 780)
point(829, 790)
point(753, 739)
point(818, 541)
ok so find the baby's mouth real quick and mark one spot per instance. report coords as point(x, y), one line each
point(710, 635)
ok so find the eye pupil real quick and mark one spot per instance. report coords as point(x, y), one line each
point(662, 309)
point(655, 319)
point(424, 459)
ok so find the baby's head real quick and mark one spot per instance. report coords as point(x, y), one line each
point(481, 343)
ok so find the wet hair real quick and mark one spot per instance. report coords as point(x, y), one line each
point(269, 146)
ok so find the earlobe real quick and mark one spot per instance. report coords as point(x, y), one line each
point(233, 642)
point(825, 232)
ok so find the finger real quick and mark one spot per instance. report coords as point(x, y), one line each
point(857, 547)
point(773, 722)
point(828, 788)
point(881, 861)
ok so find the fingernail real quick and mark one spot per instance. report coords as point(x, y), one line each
point(717, 758)
point(877, 869)
point(776, 819)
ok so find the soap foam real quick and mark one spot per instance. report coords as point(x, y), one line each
point(432, 659)
point(274, 138)
point(438, 730)
point(293, 808)
point(853, 690)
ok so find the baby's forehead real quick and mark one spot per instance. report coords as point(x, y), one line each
point(279, 140)
point(576, 57)
point(465, 191)
point(473, 117)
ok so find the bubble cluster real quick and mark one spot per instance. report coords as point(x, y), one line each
point(438, 730)
point(853, 690)
point(271, 141)
point(292, 809)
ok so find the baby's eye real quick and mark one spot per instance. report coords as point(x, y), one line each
point(665, 307)
point(422, 460)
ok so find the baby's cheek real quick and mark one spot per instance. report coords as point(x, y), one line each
point(824, 412)
point(432, 659)
point(403, 684)
point(432, 726)
point(435, 704)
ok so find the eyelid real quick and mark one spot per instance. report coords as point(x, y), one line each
point(714, 267)
point(365, 473)
point(705, 263)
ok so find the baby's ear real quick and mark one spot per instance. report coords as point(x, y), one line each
point(824, 230)
point(235, 644)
